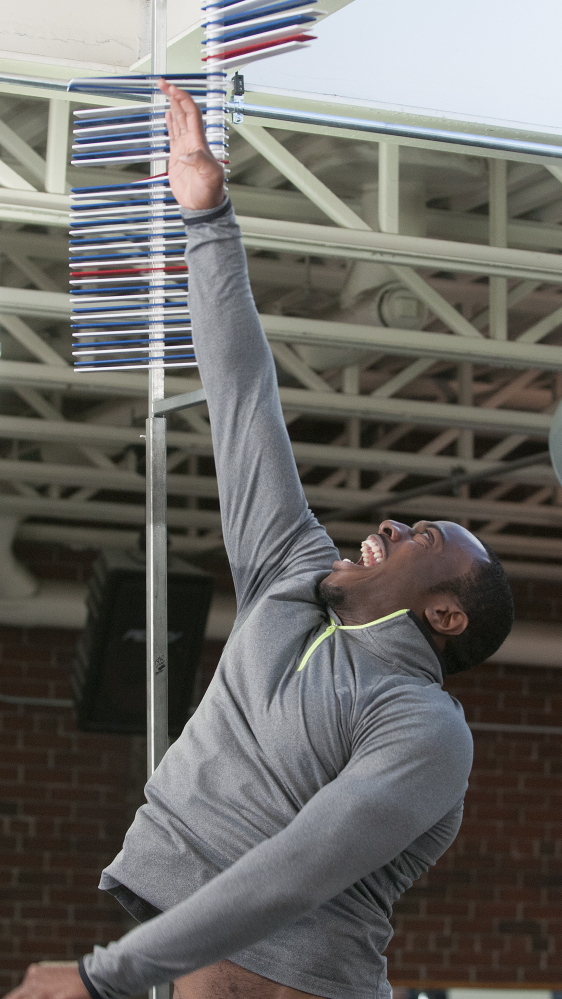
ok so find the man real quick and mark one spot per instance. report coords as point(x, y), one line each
point(325, 768)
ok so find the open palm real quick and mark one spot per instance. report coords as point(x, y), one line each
point(196, 178)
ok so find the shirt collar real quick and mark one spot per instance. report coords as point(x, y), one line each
point(403, 639)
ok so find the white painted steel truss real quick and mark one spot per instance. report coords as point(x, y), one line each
point(412, 295)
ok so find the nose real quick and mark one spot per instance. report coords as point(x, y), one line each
point(394, 530)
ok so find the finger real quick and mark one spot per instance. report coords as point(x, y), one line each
point(178, 115)
point(170, 125)
point(192, 119)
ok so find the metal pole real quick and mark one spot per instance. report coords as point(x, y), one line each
point(156, 553)
point(156, 532)
point(156, 602)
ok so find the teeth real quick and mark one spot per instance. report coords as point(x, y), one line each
point(347, 560)
point(371, 552)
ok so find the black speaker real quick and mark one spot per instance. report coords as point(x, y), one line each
point(109, 677)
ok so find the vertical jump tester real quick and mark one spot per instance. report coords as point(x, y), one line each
point(128, 276)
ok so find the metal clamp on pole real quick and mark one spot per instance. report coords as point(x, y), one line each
point(183, 401)
point(237, 98)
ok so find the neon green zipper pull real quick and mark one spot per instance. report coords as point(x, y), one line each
point(325, 634)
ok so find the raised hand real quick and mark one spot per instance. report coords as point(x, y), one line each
point(196, 178)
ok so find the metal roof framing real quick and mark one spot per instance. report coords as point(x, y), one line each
point(373, 409)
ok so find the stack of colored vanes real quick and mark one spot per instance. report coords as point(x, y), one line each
point(128, 274)
point(242, 31)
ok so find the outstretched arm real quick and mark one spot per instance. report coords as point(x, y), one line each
point(266, 521)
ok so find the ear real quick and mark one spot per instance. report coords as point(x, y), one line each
point(445, 616)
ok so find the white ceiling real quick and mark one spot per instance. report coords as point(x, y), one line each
point(105, 34)
point(490, 59)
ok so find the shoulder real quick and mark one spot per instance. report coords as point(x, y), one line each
point(420, 716)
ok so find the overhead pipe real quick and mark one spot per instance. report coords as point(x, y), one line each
point(400, 131)
point(344, 122)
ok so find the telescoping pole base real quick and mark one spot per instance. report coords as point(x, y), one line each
point(156, 593)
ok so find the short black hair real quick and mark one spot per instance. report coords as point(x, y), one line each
point(485, 596)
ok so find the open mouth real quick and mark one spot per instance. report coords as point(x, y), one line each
point(372, 551)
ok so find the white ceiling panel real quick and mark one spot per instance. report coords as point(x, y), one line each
point(487, 61)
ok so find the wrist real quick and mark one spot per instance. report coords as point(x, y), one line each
point(192, 216)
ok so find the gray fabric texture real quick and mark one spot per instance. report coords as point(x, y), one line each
point(296, 806)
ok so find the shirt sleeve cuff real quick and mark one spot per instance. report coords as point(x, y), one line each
point(86, 981)
point(194, 217)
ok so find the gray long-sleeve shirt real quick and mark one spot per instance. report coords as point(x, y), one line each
point(298, 804)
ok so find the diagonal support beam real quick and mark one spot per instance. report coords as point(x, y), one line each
point(22, 152)
point(439, 305)
point(30, 340)
point(404, 377)
point(555, 170)
point(294, 365)
point(299, 175)
point(540, 329)
point(339, 212)
point(49, 412)
point(33, 272)
point(515, 295)
point(9, 178)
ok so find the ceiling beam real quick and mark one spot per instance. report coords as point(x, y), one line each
point(316, 332)
point(125, 383)
point(336, 406)
point(453, 508)
point(521, 233)
point(107, 513)
point(399, 250)
point(329, 404)
point(42, 208)
point(334, 241)
point(32, 302)
point(81, 537)
point(109, 477)
point(438, 507)
point(412, 343)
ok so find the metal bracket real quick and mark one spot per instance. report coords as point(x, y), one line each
point(238, 99)
point(162, 407)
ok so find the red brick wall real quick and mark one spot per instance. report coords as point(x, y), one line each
point(61, 811)
point(66, 797)
point(488, 913)
point(490, 910)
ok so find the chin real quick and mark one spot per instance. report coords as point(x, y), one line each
point(330, 594)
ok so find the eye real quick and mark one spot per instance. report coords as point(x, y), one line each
point(427, 535)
